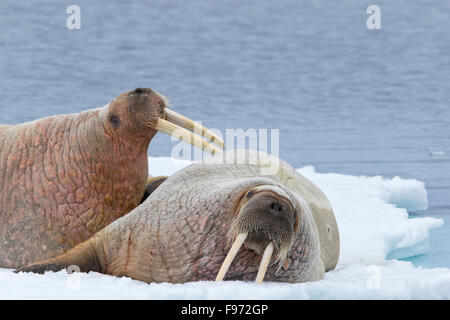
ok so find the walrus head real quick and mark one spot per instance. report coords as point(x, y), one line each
point(144, 111)
point(266, 221)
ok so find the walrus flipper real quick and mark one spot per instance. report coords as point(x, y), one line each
point(81, 258)
point(152, 184)
point(42, 267)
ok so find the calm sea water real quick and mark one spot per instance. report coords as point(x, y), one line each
point(345, 99)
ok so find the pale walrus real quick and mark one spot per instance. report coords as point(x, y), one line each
point(184, 230)
point(63, 178)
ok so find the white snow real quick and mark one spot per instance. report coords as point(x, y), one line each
point(374, 227)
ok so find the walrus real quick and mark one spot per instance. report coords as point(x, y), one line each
point(65, 177)
point(217, 220)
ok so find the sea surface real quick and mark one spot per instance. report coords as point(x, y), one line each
point(345, 99)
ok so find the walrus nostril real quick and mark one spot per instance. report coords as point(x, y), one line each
point(142, 91)
point(275, 207)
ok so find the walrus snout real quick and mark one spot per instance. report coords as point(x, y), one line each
point(266, 223)
point(267, 217)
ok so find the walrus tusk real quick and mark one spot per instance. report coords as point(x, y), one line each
point(231, 255)
point(264, 263)
point(187, 123)
point(187, 136)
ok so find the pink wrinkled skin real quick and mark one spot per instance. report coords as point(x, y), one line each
point(63, 178)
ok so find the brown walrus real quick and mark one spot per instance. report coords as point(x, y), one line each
point(63, 178)
point(184, 230)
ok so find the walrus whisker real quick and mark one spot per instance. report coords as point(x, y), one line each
point(183, 134)
point(231, 255)
point(191, 125)
point(265, 260)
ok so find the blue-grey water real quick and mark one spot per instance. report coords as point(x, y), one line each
point(346, 99)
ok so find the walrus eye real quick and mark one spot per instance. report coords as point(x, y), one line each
point(114, 120)
point(250, 194)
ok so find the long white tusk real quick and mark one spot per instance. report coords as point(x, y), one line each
point(231, 255)
point(189, 124)
point(264, 263)
point(185, 135)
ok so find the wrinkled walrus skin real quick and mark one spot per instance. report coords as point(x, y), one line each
point(181, 233)
point(63, 178)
